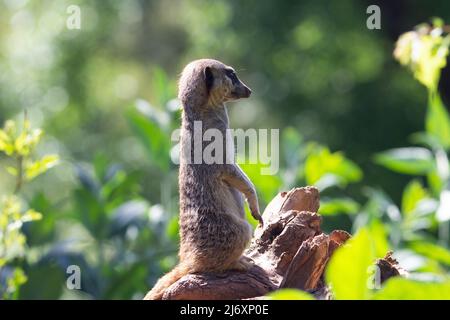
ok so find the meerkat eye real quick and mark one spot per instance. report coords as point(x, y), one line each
point(232, 75)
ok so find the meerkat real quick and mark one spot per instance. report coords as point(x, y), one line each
point(213, 230)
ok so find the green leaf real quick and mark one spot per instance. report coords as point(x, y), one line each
point(432, 251)
point(348, 270)
point(55, 280)
point(425, 139)
point(114, 183)
point(90, 212)
point(163, 88)
point(31, 215)
point(13, 283)
point(437, 121)
point(435, 182)
point(437, 22)
point(5, 143)
point(12, 171)
point(43, 231)
point(26, 141)
point(291, 142)
point(431, 57)
point(415, 161)
point(290, 294)
point(378, 236)
point(412, 195)
point(405, 289)
point(266, 185)
point(321, 164)
point(249, 218)
point(34, 169)
point(172, 229)
point(338, 206)
point(153, 137)
point(101, 166)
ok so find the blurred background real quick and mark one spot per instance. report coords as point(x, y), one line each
point(105, 97)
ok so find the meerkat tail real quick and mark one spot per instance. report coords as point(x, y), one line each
point(166, 281)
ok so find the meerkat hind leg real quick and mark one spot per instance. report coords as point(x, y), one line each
point(243, 264)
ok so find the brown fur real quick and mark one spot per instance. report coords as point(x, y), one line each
point(213, 229)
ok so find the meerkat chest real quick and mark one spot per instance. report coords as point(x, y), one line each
point(228, 136)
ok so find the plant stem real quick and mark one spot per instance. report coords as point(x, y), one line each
point(19, 180)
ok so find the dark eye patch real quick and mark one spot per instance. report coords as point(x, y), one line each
point(232, 75)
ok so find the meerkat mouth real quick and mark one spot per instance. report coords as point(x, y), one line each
point(239, 94)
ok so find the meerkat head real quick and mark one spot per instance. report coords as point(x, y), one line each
point(209, 83)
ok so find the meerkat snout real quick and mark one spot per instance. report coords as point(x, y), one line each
point(243, 92)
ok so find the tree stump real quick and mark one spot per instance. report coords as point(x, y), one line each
point(289, 251)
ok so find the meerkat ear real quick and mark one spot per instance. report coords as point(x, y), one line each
point(209, 78)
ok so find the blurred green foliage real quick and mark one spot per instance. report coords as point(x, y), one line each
point(18, 146)
point(423, 217)
point(290, 294)
point(105, 96)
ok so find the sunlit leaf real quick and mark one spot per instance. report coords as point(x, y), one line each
point(437, 121)
point(291, 140)
point(12, 219)
point(431, 52)
point(378, 236)
point(348, 270)
point(412, 195)
point(425, 52)
point(415, 161)
point(405, 289)
point(290, 294)
point(26, 141)
point(338, 205)
point(432, 251)
point(266, 185)
point(435, 182)
point(7, 136)
point(173, 228)
point(36, 168)
point(31, 215)
point(4, 141)
point(321, 162)
point(16, 280)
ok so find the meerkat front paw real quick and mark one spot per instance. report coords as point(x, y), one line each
point(254, 210)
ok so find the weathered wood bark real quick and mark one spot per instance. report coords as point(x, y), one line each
point(289, 251)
